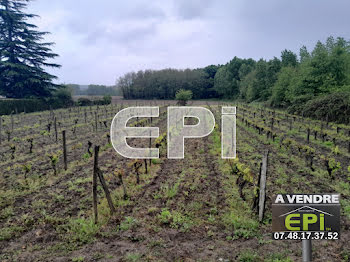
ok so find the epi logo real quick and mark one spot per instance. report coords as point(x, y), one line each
point(300, 213)
point(304, 220)
point(177, 131)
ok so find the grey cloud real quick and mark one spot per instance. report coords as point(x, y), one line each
point(192, 9)
point(119, 24)
point(145, 12)
point(121, 34)
point(139, 34)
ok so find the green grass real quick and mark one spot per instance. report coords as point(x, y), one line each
point(133, 257)
point(238, 220)
point(80, 231)
point(248, 255)
point(156, 161)
point(78, 259)
point(9, 232)
point(170, 191)
point(176, 219)
point(241, 226)
point(128, 223)
point(278, 257)
point(345, 204)
point(7, 212)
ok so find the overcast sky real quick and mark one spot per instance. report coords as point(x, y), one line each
point(100, 40)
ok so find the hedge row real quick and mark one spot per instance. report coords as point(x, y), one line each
point(8, 106)
point(21, 105)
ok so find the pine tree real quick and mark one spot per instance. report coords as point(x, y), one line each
point(23, 54)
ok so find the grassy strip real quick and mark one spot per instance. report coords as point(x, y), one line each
point(238, 219)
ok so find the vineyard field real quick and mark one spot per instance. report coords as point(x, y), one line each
point(200, 208)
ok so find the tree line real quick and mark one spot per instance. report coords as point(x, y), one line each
point(286, 82)
point(163, 84)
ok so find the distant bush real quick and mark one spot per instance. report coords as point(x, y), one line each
point(182, 96)
point(298, 103)
point(61, 97)
point(107, 99)
point(332, 107)
point(85, 102)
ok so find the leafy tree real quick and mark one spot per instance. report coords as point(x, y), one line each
point(273, 68)
point(249, 87)
point(304, 54)
point(327, 69)
point(22, 54)
point(125, 84)
point(211, 70)
point(182, 96)
point(209, 75)
point(289, 58)
point(247, 76)
point(285, 80)
point(259, 81)
point(228, 77)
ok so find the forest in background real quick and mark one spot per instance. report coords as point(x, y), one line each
point(93, 90)
point(312, 83)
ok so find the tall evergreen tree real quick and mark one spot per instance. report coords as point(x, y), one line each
point(23, 54)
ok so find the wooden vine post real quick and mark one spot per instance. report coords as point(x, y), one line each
point(105, 188)
point(146, 170)
point(98, 173)
point(137, 165)
point(120, 176)
point(348, 137)
point(64, 149)
point(94, 184)
point(0, 129)
point(262, 191)
point(12, 123)
point(272, 123)
point(96, 122)
point(150, 145)
point(55, 125)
